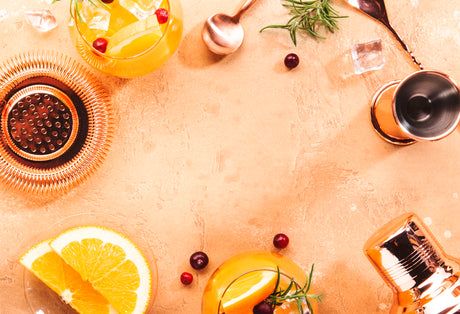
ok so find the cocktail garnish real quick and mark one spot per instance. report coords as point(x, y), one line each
point(308, 15)
point(294, 292)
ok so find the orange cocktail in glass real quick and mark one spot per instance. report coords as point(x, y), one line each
point(126, 38)
point(247, 280)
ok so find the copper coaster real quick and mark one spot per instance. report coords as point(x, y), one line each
point(382, 116)
point(55, 122)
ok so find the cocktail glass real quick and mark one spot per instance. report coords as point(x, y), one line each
point(143, 44)
point(425, 106)
point(245, 265)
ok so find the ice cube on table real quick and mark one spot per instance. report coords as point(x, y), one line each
point(141, 8)
point(368, 56)
point(41, 20)
point(95, 16)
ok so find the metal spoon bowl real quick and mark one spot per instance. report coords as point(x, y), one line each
point(223, 34)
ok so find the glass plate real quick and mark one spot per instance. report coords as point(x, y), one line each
point(41, 299)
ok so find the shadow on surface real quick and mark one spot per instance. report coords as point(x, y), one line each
point(193, 52)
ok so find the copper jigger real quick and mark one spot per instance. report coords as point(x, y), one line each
point(425, 106)
point(424, 279)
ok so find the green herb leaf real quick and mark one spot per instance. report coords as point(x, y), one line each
point(308, 16)
point(294, 292)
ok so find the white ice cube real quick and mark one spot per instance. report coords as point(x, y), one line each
point(141, 8)
point(368, 56)
point(41, 20)
point(95, 16)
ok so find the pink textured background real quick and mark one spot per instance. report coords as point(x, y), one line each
point(221, 154)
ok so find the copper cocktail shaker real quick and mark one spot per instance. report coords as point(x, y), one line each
point(424, 279)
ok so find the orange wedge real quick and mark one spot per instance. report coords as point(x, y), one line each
point(113, 265)
point(42, 261)
point(135, 38)
point(248, 291)
point(252, 262)
point(119, 17)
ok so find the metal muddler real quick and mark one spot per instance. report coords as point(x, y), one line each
point(424, 279)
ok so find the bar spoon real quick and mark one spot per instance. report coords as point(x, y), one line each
point(376, 9)
point(223, 34)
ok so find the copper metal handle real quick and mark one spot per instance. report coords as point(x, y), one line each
point(243, 8)
point(403, 44)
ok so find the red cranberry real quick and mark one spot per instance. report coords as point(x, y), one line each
point(263, 308)
point(107, 1)
point(291, 61)
point(186, 278)
point(100, 44)
point(162, 15)
point(199, 260)
point(280, 241)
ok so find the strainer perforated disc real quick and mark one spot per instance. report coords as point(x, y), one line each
point(55, 122)
point(40, 123)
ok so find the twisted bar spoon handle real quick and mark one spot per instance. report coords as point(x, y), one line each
point(376, 9)
point(403, 44)
point(246, 5)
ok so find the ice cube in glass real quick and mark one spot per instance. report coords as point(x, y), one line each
point(141, 8)
point(94, 16)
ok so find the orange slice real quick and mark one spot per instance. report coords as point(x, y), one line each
point(251, 262)
point(42, 261)
point(135, 38)
point(248, 291)
point(112, 263)
point(119, 17)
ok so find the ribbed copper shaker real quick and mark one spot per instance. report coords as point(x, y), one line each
point(423, 277)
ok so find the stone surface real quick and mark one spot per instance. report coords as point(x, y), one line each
point(220, 154)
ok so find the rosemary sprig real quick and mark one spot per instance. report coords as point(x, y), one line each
point(298, 294)
point(74, 6)
point(308, 16)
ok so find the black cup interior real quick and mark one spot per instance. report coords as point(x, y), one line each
point(427, 105)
